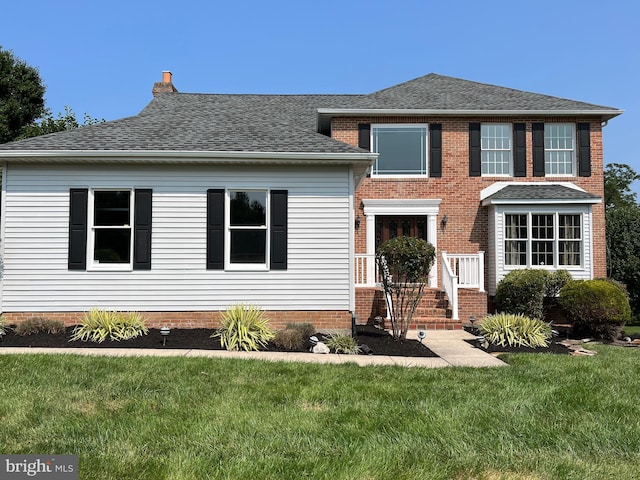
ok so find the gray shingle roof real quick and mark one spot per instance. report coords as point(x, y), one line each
point(543, 191)
point(279, 123)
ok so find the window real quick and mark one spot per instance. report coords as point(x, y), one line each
point(496, 149)
point(402, 149)
point(537, 240)
point(247, 227)
point(110, 229)
point(559, 149)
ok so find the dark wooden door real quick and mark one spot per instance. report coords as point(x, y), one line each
point(392, 226)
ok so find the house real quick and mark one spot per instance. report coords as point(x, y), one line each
point(202, 201)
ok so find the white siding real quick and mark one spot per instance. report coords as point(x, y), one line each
point(36, 210)
point(496, 258)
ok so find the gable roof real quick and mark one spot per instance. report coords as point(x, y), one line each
point(273, 124)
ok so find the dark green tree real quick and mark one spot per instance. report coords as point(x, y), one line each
point(618, 178)
point(21, 95)
point(48, 124)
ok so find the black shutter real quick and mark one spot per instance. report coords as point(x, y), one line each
point(584, 150)
point(364, 136)
point(278, 230)
point(475, 157)
point(142, 229)
point(519, 150)
point(435, 150)
point(215, 229)
point(537, 129)
point(78, 228)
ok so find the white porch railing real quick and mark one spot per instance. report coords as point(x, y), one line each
point(366, 271)
point(468, 268)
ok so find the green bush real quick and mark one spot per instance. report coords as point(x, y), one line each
point(38, 325)
point(530, 291)
point(295, 336)
point(342, 343)
point(100, 325)
point(244, 327)
point(515, 330)
point(595, 307)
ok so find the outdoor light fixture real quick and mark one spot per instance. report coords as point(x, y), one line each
point(164, 331)
point(443, 222)
point(421, 335)
point(472, 319)
point(357, 222)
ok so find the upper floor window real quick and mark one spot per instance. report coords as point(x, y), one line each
point(559, 148)
point(496, 149)
point(402, 149)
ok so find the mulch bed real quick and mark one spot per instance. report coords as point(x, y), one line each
point(378, 341)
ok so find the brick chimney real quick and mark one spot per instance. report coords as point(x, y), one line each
point(165, 86)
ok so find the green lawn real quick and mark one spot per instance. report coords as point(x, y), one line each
point(545, 417)
point(632, 330)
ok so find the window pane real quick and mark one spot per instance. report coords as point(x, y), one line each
point(515, 226)
point(542, 253)
point(402, 150)
point(570, 227)
point(248, 246)
point(112, 245)
point(496, 149)
point(515, 252)
point(111, 207)
point(248, 208)
point(542, 226)
point(559, 144)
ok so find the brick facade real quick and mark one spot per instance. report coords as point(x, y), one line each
point(466, 230)
point(322, 320)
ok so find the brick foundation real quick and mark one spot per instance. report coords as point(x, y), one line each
point(322, 320)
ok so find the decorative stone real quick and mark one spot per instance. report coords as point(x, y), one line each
point(320, 348)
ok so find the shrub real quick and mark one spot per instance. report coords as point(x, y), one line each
point(405, 263)
point(100, 325)
point(530, 291)
point(342, 343)
point(3, 326)
point(244, 327)
point(38, 325)
point(295, 336)
point(515, 330)
point(595, 307)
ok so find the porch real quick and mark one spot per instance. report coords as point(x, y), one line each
point(459, 294)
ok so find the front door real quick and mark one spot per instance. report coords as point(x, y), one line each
point(388, 227)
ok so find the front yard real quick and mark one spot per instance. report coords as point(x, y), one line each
point(545, 417)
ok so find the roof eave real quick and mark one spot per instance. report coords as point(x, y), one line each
point(605, 114)
point(542, 201)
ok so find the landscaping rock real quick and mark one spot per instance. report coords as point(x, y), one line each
point(320, 348)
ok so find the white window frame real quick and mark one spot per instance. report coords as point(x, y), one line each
point(548, 151)
point(424, 168)
point(484, 150)
point(228, 228)
point(556, 240)
point(91, 241)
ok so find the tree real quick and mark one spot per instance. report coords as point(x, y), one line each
point(47, 124)
point(405, 263)
point(618, 178)
point(21, 95)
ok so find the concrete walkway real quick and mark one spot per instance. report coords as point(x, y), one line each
point(449, 345)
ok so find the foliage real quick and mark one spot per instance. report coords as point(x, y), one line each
point(21, 95)
point(515, 330)
point(100, 325)
point(623, 251)
point(405, 263)
point(47, 124)
point(524, 291)
point(3, 326)
point(295, 336)
point(342, 343)
point(618, 178)
point(38, 325)
point(595, 307)
point(244, 327)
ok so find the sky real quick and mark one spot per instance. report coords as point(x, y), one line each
point(102, 58)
